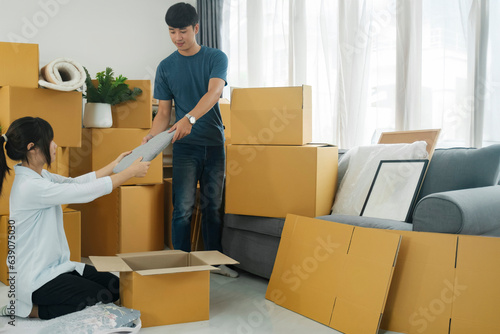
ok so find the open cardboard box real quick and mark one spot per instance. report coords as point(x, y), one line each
point(168, 287)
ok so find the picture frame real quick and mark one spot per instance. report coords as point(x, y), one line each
point(394, 189)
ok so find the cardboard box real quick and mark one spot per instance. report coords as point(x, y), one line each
point(134, 114)
point(397, 137)
point(63, 110)
point(71, 220)
point(102, 146)
point(336, 274)
point(196, 237)
point(168, 287)
point(272, 181)
point(271, 116)
point(130, 219)
point(19, 65)
point(73, 230)
point(60, 166)
point(225, 112)
point(444, 283)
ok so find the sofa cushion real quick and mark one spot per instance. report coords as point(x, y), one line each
point(467, 211)
point(462, 168)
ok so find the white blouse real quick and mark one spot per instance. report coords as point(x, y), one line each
point(41, 249)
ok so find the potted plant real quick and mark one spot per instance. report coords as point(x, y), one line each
point(109, 91)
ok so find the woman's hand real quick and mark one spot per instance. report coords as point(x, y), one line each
point(139, 168)
point(108, 169)
point(120, 157)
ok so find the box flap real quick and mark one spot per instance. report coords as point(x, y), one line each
point(213, 257)
point(109, 263)
point(141, 254)
point(336, 274)
point(476, 290)
point(175, 270)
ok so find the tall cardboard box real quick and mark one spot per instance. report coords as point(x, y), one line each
point(101, 146)
point(19, 65)
point(272, 181)
point(60, 166)
point(73, 230)
point(71, 220)
point(134, 114)
point(63, 110)
point(271, 116)
point(168, 287)
point(130, 219)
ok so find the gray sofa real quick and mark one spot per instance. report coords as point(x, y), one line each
point(460, 194)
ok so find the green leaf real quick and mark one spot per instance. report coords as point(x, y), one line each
point(109, 90)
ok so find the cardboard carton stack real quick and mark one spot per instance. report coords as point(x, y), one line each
point(272, 169)
point(130, 219)
point(19, 97)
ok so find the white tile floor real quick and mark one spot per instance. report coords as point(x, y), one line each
point(238, 306)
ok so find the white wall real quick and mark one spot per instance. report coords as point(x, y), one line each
point(130, 36)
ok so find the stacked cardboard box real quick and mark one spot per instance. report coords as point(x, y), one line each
point(19, 97)
point(272, 170)
point(131, 218)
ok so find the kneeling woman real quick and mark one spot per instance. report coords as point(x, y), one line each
point(47, 283)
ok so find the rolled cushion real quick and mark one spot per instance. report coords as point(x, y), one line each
point(368, 222)
point(462, 168)
point(147, 151)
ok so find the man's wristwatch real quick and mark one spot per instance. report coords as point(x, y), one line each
point(191, 119)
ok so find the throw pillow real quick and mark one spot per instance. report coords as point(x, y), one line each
point(363, 164)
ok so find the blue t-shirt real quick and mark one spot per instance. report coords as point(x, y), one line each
point(185, 80)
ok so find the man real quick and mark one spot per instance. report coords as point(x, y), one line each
point(194, 77)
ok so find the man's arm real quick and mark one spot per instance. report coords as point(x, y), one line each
point(183, 127)
point(161, 121)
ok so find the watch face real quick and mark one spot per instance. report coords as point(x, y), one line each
point(192, 120)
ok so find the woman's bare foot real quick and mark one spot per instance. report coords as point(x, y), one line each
point(34, 312)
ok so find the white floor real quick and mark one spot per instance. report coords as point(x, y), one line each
point(238, 306)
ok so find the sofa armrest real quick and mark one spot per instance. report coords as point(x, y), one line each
point(474, 211)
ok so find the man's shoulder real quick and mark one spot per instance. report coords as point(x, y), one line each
point(213, 51)
point(169, 59)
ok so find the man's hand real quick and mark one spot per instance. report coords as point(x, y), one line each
point(146, 138)
point(183, 128)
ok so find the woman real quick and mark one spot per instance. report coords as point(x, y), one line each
point(47, 283)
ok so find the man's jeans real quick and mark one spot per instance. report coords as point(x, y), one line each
point(190, 164)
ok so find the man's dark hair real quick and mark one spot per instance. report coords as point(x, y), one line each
point(181, 15)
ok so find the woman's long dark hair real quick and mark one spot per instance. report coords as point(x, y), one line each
point(21, 132)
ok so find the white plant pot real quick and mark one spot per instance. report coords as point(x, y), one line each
point(97, 115)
